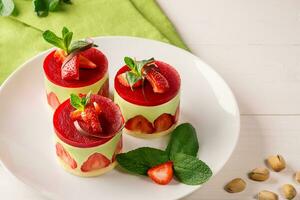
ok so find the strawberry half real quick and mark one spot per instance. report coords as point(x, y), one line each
point(161, 174)
point(70, 70)
point(163, 122)
point(65, 156)
point(90, 121)
point(94, 162)
point(158, 82)
point(140, 124)
point(122, 79)
point(59, 56)
point(85, 63)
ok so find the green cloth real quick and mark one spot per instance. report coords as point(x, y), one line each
point(20, 36)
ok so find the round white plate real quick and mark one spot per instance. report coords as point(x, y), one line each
point(26, 133)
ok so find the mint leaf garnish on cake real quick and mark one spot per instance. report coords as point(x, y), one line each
point(180, 159)
point(142, 70)
point(68, 54)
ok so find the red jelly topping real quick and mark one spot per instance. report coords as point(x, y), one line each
point(111, 121)
point(87, 77)
point(150, 98)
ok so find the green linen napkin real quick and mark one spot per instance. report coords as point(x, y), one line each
point(20, 36)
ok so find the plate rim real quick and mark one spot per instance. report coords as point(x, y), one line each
point(194, 188)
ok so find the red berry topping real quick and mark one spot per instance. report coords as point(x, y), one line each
point(161, 174)
point(85, 63)
point(90, 121)
point(158, 82)
point(70, 69)
point(163, 122)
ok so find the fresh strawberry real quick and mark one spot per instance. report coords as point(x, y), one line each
point(94, 162)
point(76, 115)
point(176, 117)
point(97, 107)
point(139, 124)
point(53, 100)
point(118, 149)
point(90, 120)
point(104, 91)
point(60, 55)
point(65, 156)
point(70, 70)
point(161, 174)
point(85, 63)
point(158, 82)
point(163, 122)
point(122, 79)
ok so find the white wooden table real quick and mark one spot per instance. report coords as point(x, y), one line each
point(255, 46)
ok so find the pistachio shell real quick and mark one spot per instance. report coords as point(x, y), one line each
point(289, 191)
point(259, 174)
point(235, 185)
point(267, 195)
point(277, 163)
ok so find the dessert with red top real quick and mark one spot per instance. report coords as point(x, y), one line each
point(148, 93)
point(74, 67)
point(88, 134)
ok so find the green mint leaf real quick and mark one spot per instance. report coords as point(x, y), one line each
point(140, 64)
point(132, 78)
point(40, 7)
point(53, 39)
point(190, 170)
point(6, 7)
point(76, 102)
point(53, 5)
point(80, 45)
point(183, 140)
point(64, 31)
point(67, 40)
point(85, 100)
point(129, 62)
point(140, 160)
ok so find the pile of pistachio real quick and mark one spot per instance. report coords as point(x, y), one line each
point(276, 163)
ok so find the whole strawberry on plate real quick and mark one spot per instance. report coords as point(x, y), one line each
point(73, 67)
point(148, 93)
point(88, 134)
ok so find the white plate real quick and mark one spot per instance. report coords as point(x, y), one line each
point(26, 133)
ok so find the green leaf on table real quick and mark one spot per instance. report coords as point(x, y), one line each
point(67, 1)
point(53, 5)
point(183, 140)
point(138, 161)
point(53, 39)
point(190, 170)
point(6, 7)
point(40, 7)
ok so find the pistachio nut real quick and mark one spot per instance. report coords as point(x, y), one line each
point(235, 185)
point(259, 174)
point(276, 162)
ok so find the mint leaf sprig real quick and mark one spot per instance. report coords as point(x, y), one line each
point(80, 103)
point(181, 150)
point(65, 42)
point(43, 7)
point(135, 73)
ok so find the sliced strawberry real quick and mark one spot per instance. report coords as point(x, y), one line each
point(65, 156)
point(97, 107)
point(76, 115)
point(90, 120)
point(60, 56)
point(104, 91)
point(122, 79)
point(94, 162)
point(70, 70)
point(161, 174)
point(85, 63)
point(140, 124)
point(53, 100)
point(163, 122)
point(158, 82)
